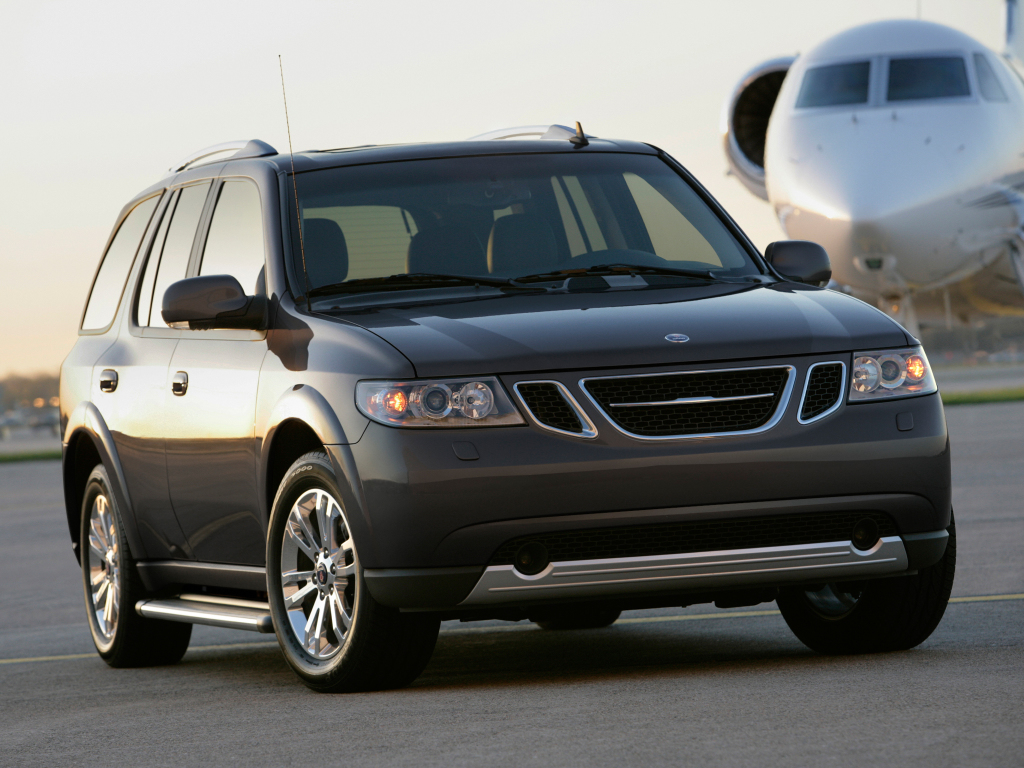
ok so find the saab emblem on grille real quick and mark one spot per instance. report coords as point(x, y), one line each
point(677, 337)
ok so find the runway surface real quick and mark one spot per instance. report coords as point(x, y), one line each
point(697, 686)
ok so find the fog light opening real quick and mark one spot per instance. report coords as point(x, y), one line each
point(865, 534)
point(531, 558)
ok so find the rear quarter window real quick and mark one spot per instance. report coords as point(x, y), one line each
point(113, 272)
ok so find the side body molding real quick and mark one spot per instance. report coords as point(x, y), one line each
point(86, 423)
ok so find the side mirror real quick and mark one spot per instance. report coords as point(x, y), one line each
point(213, 301)
point(800, 260)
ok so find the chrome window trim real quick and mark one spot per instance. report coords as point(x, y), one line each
point(589, 430)
point(780, 410)
point(807, 381)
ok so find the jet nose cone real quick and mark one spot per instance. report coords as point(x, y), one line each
point(875, 188)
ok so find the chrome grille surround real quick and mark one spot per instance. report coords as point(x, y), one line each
point(589, 431)
point(807, 383)
point(776, 417)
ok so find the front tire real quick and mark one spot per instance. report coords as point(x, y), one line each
point(872, 616)
point(334, 635)
point(113, 586)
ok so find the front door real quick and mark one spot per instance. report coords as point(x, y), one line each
point(212, 451)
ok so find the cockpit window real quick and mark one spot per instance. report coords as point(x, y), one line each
point(933, 77)
point(834, 85)
point(988, 83)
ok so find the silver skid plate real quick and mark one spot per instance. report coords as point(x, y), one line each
point(693, 571)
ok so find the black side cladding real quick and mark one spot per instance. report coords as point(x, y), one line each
point(824, 387)
point(697, 536)
point(548, 406)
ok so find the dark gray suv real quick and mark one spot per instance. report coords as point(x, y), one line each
point(344, 396)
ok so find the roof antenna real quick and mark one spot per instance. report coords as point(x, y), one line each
point(295, 187)
point(579, 140)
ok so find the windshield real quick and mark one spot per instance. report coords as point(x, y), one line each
point(506, 216)
point(834, 85)
point(934, 77)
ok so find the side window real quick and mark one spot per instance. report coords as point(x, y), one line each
point(113, 271)
point(377, 237)
point(927, 77)
point(234, 245)
point(991, 90)
point(584, 212)
point(570, 219)
point(172, 258)
point(672, 235)
point(145, 303)
point(834, 85)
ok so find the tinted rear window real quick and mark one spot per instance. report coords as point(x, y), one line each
point(110, 279)
point(935, 77)
point(835, 84)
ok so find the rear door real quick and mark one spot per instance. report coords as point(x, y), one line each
point(131, 377)
point(212, 451)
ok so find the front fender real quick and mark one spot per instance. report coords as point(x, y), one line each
point(86, 423)
point(304, 404)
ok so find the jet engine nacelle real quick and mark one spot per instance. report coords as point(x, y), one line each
point(745, 121)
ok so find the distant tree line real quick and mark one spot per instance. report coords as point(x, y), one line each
point(24, 391)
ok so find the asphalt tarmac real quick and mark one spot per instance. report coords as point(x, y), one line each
point(697, 686)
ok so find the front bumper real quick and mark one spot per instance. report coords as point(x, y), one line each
point(417, 506)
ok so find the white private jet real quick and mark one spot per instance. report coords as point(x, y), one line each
point(899, 146)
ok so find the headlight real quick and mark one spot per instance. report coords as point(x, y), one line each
point(479, 402)
point(891, 373)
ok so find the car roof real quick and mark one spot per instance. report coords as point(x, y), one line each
point(333, 158)
point(311, 160)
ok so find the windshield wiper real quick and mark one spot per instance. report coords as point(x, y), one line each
point(617, 269)
point(410, 280)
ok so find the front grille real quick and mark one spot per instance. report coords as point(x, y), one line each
point(729, 401)
point(697, 536)
point(547, 405)
point(824, 387)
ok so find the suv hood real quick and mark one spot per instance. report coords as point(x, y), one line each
point(574, 331)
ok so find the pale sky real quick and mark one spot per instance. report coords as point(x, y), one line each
point(98, 99)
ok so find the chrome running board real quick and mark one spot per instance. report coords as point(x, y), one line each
point(210, 610)
point(693, 571)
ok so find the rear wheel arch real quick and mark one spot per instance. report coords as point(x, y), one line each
point(89, 443)
point(80, 458)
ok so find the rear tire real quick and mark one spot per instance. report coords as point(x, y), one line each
point(334, 635)
point(872, 616)
point(112, 586)
point(580, 618)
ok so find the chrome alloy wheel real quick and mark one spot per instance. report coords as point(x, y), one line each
point(104, 567)
point(318, 573)
point(832, 602)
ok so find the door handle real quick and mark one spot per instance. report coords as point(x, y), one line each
point(108, 380)
point(179, 383)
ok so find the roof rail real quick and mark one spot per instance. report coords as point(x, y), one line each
point(543, 132)
point(229, 150)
